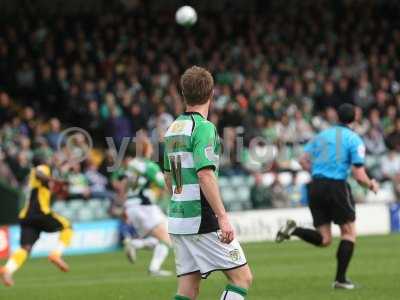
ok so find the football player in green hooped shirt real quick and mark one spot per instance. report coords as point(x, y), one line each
point(143, 182)
point(201, 233)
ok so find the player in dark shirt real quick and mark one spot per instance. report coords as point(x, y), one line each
point(37, 217)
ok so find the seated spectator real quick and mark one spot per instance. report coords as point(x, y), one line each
point(53, 135)
point(260, 195)
point(390, 165)
point(20, 166)
point(118, 127)
point(41, 147)
point(6, 111)
point(286, 130)
point(97, 182)
point(279, 195)
point(361, 125)
point(374, 142)
point(297, 193)
point(303, 130)
point(78, 184)
point(393, 139)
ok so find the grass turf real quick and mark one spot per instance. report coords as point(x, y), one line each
point(291, 270)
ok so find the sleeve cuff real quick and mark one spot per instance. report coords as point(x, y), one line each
point(212, 167)
point(358, 165)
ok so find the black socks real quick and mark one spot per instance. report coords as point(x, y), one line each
point(309, 235)
point(343, 255)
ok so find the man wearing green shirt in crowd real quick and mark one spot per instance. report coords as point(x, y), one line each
point(201, 233)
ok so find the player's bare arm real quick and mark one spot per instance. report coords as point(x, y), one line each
point(209, 186)
point(363, 179)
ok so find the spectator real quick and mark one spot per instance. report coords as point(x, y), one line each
point(97, 182)
point(137, 118)
point(260, 195)
point(374, 142)
point(78, 183)
point(302, 129)
point(275, 86)
point(390, 165)
point(393, 139)
point(6, 112)
point(279, 195)
point(118, 127)
point(53, 135)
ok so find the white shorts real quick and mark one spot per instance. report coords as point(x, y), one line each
point(144, 217)
point(205, 253)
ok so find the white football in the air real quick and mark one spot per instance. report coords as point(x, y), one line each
point(186, 16)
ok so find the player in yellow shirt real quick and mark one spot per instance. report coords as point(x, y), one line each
point(37, 217)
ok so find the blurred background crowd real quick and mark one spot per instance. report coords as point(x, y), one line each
point(279, 75)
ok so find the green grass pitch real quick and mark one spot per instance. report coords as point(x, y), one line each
point(291, 270)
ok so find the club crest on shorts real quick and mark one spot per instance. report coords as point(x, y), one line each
point(234, 255)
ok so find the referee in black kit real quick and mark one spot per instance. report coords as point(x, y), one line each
point(330, 156)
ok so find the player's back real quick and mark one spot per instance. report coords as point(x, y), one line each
point(191, 143)
point(147, 177)
point(333, 151)
point(179, 153)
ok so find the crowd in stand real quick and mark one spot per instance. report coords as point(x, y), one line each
point(278, 75)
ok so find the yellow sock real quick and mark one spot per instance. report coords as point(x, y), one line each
point(64, 241)
point(66, 236)
point(16, 260)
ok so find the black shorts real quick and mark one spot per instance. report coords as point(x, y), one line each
point(331, 201)
point(32, 226)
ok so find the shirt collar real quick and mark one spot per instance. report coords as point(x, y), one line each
point(343, 125)
point(188, 113)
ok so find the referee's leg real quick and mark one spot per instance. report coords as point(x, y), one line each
point(321, 237)
point(321, 212)
point(345, 250)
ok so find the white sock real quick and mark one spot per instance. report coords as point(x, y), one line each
point(59, 250)
point(233, 292)
point(149, 242)
point(11, 266)
point(160, 253)
point(137, 243)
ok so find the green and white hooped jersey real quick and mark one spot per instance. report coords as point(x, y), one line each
point(142, 174)
point(191, 144)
